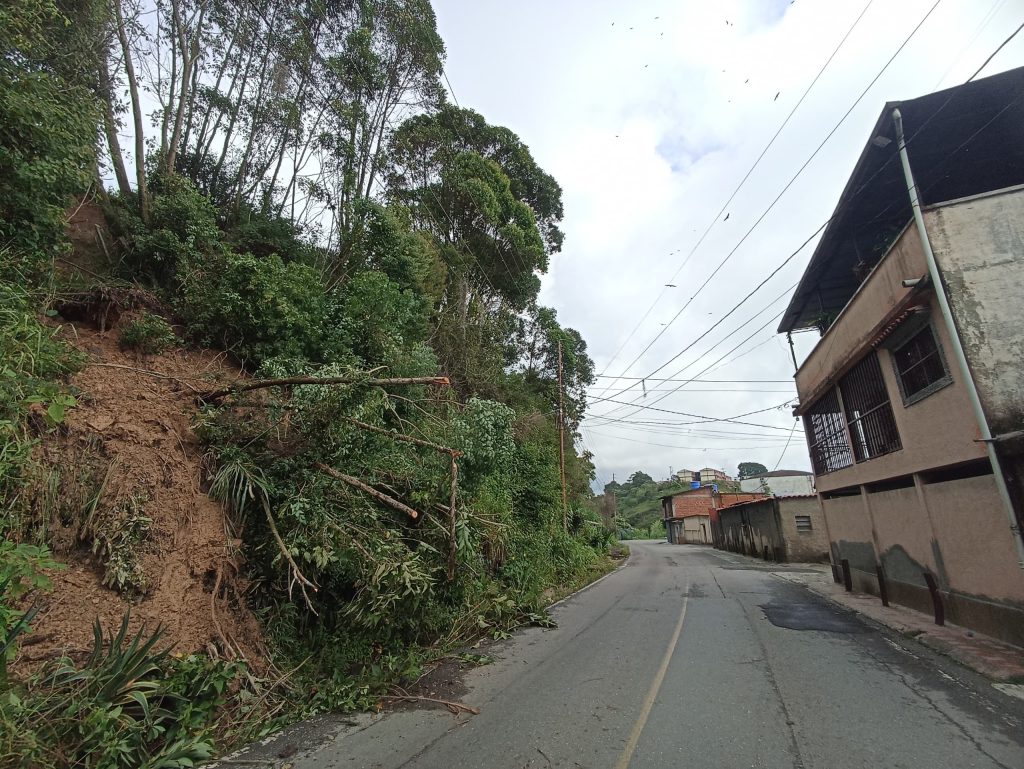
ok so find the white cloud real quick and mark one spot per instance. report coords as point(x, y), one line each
point(649, 124)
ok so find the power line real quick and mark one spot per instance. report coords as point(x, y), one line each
point(789, 184)
point(883, 166)
point(786, 447)
point(720, 341)
point(706, 419)
point(723, 381)
point(717, 217)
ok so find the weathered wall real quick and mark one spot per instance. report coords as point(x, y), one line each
point(803, 545)
point(850, 531)
point(781, 486)
point(750, 528)
point(979, 246)
point(697, 529)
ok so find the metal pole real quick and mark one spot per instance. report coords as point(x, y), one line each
point(561, 441)
point(958, 350)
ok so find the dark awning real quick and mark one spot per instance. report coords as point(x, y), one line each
point(961, 141)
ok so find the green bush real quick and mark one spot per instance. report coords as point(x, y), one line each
point(149, 334)
point(32, 361)
point(47, 141)
point(182, 232)
point(127, 705)
point(259, 308)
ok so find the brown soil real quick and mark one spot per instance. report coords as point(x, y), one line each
point(133, 429)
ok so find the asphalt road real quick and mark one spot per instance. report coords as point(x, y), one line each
point(689, 657)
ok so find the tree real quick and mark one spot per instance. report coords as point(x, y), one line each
point(639, 478)
point(750, 469)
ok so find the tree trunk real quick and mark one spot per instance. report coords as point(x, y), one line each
point(133, 90)
point(110, 129)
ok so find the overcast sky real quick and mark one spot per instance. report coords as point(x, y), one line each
point(649, 114)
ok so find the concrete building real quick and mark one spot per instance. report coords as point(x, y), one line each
point(778, 529)
point(689, 516)
point(781, 483)
point(688, 476)
point(712, 475)
point(913, 399)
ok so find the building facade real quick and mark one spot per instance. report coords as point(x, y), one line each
point(690, 516)
point(788, 529)
point(916, 505)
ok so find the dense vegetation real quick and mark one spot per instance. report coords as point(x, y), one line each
point(638, 513)
point(301, 194)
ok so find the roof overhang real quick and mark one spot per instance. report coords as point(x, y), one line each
point(961, 141)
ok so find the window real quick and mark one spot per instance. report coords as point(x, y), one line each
point(803, 523)
point(920, 367)
point(869, 415)
point(826, 435)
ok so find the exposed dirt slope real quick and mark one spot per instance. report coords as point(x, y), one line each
point(131, 438)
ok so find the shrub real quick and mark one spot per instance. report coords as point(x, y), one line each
point(150, 334)
point(47, 140)
point(127, 705)
point(182, 230)
point(259, 308)
point(32, 359)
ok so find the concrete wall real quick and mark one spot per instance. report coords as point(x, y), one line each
point(852, 539)
point(769, 526)
point(863, 317)
point(979, 246)
point(781, 486)
point(806, 546)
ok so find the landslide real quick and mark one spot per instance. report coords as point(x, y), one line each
point(122, 490)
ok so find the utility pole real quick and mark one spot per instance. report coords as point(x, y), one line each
point(561, 440)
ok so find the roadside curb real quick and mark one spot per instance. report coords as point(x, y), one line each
point(994, 659)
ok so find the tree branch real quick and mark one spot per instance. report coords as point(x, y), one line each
point(366, 489)
point(261, 384)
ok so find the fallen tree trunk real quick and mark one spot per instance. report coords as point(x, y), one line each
point(380, 496)
point(261, 384)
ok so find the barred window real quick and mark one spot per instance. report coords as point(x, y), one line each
point(920, 367)
point(826, 435)
point(869, 414)
point(803, 523)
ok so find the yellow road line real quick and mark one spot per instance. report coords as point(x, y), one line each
point(652, 693)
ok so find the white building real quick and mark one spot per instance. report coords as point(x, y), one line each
point(781, 483)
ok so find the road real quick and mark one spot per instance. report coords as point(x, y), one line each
point(690, 657)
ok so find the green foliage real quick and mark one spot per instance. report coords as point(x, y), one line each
point(149, 334)
point(129, 704)
point(750, 469)
point(32, 360)
point(259, 308)
point(47, 139)
point(21, 574)
point(638, 504)
point(182, 232)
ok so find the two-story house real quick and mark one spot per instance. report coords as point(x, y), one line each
point(913, 399)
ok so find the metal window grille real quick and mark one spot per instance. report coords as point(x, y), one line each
point(919, 364)
point(803, 523)
point(826, 435)
point(869, 416)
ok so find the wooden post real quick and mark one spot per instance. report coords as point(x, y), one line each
point(561, 441)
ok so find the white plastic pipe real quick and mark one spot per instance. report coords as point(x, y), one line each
point(958, 349)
